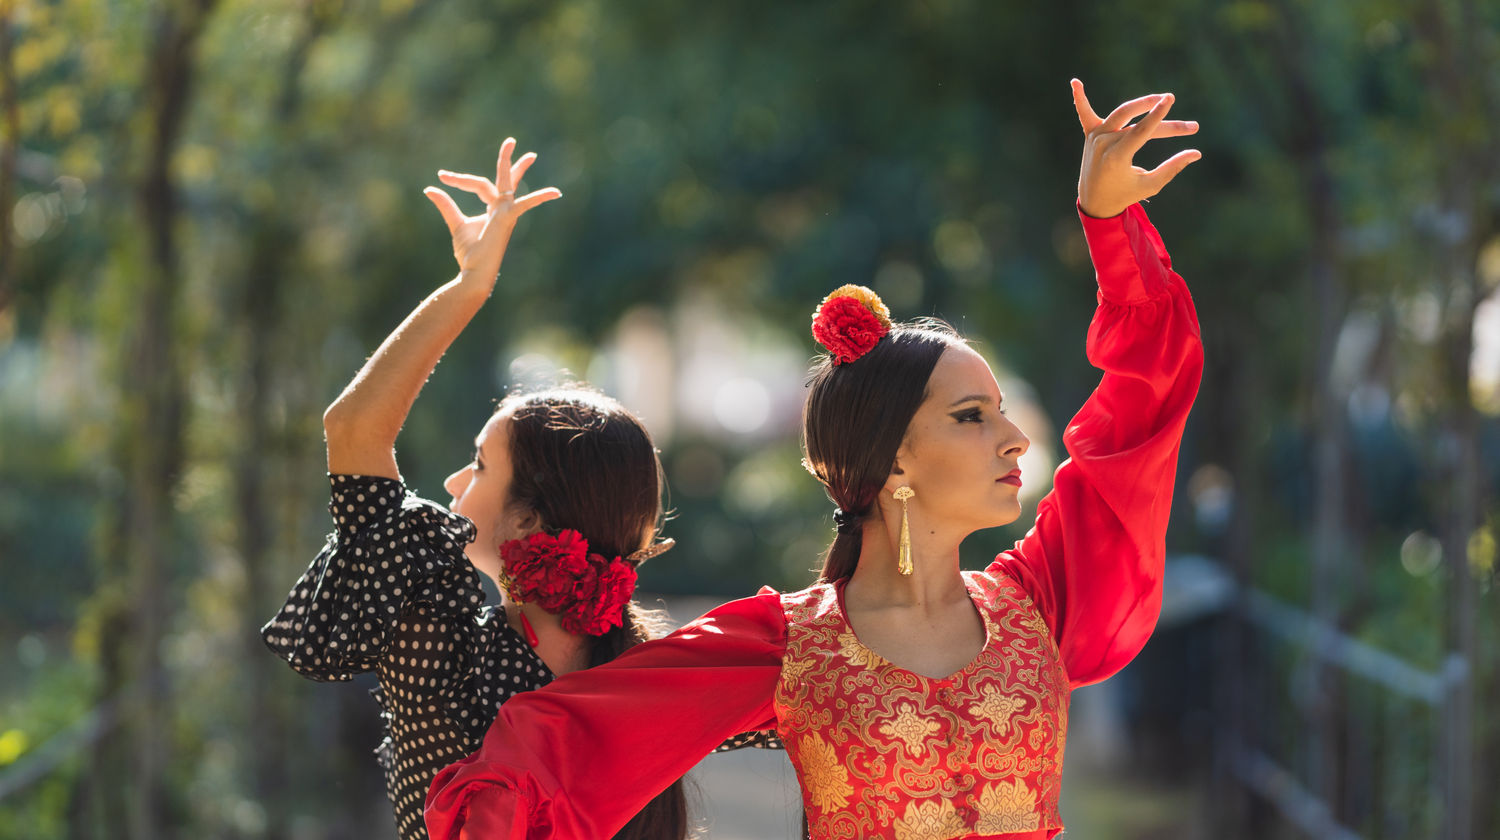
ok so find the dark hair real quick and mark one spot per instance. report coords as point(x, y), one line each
point(855, 419)
point(580, 460)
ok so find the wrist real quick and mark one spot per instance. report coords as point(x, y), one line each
point(477, 280)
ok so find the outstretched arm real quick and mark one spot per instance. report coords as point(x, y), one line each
point(580, 756)
point(362, 424)
point(1093, 562)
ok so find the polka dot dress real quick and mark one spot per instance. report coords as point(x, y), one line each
point(393, 593)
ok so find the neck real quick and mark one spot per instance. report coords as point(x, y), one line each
point(561, 651)
point(935, 578)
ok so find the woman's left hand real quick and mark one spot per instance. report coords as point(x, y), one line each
point(479, 241)
point(1108, 180)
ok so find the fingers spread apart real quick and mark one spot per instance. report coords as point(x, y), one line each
point(495, 194)
point(1153, 126)
point(1129, 111)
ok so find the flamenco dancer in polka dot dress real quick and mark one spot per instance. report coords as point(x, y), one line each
point(559, 505)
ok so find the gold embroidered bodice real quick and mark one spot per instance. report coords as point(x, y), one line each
point(884, 752)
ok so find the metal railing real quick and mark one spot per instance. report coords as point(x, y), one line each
point(1324, 644)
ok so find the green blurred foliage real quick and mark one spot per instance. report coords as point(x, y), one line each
point(758, 154)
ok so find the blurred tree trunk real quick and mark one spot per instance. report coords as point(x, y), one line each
point(150, 446)
point(1310, 145)
point(274, 233)
point(10, 130)
point(1461, 57)
point(98, 802)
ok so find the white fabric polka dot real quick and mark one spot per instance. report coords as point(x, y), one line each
point(413, 613)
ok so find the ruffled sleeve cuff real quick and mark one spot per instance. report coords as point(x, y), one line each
point(493, 812)
point(390, 553)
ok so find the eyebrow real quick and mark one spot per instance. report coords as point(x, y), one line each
point(975, 398)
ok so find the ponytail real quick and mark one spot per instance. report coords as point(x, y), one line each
point(843, 554)
point(579, 460)
point(665, 817)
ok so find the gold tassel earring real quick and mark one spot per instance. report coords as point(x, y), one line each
point(903, 493)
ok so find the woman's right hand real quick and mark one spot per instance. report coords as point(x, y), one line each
point(362, 424)
point(479, 241)
point(1108, 179)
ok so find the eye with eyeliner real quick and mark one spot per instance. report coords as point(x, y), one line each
point(972, 415)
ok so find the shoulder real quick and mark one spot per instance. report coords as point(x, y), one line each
point(1006, 603)
point(807, 605)
point(397, 556)
point(998, 588)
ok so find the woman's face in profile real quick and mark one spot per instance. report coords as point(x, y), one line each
point(960, 452)
point(480, 491)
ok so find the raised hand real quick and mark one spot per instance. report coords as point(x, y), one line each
point(1108, 180)
point(479, 241)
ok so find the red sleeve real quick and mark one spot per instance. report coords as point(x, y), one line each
point(1093, 561)
point(579, 757)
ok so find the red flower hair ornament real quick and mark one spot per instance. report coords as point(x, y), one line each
point(557, 573)
point(850, 322)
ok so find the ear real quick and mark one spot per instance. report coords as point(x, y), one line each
point(525, 522)
point(897, 477)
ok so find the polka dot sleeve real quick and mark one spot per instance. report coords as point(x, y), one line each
point(766, 739)
point(390, 553)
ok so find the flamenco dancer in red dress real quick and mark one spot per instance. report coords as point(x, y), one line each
point(915, 700)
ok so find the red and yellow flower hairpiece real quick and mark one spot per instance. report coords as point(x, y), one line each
point(850, 321)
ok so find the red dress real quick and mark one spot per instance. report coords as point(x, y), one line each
point(880, 751)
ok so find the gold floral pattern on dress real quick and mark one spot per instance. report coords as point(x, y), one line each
point(1035, 624)
point(911, 728)
point(1006, 807)
point(851, 649)
point(935, 819)
point(823, 775)
point(792, 671)
point(883, 752)
point(996, 707)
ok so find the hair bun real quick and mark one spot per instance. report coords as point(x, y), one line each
point(850, 322)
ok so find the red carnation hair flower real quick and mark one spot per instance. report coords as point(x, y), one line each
point(557, 573)
point(850, 322)
point(600, 606)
